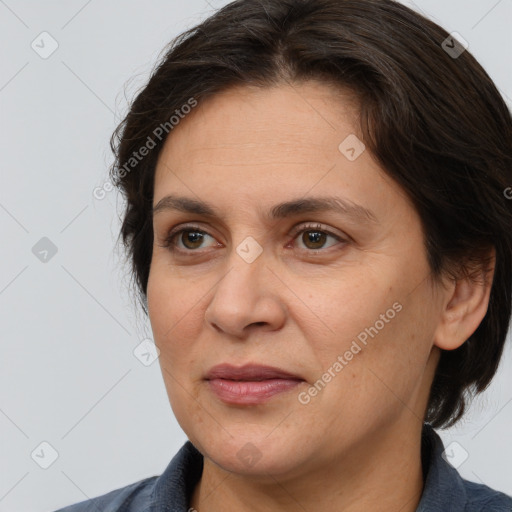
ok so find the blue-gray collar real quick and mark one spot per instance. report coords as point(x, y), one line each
point(444, 490)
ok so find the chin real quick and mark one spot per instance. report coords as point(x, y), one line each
point(249, 453)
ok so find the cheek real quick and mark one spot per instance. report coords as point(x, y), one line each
point(170, 300)
point(395, 355)
point(174, 321)
point(378, 340)
point(370, 382)
point(347, 307)
point(177, 300)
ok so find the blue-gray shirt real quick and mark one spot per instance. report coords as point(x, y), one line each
point(444, 490)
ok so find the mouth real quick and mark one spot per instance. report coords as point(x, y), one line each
point(250, 384)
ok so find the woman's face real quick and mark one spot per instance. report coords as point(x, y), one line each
point(341, 300)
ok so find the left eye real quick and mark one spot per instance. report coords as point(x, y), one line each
point(313, 237)
point(316, 236)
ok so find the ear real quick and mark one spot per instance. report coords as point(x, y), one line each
point(464, 307)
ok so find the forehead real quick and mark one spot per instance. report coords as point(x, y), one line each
point(268, 146)
point(246, 124)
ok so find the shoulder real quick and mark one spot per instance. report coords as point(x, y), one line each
point(154, 494)
point(125, 499)
point(481, 498)
point(446, 490)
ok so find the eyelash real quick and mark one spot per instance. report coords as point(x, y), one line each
point(172, 247)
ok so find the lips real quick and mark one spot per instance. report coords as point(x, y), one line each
point(249, 373)
point(249, 384)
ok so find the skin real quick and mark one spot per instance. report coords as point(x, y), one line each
point(298, 306)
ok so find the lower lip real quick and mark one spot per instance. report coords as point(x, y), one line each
point(250, 392)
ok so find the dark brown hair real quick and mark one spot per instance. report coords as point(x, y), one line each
point(434, 121)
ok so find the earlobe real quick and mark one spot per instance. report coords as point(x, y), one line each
point(466, 303)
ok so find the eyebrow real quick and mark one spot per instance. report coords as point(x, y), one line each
point(279, 211)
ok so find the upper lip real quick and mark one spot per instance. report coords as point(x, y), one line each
point(249, 372)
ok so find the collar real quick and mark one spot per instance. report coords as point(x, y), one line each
point(444, 488)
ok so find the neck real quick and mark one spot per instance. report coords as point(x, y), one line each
point(384, 474)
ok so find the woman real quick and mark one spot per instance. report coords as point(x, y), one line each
point(323, 248)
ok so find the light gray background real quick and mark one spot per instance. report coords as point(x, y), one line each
point(68, 373)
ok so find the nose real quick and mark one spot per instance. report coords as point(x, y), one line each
point(247, 297)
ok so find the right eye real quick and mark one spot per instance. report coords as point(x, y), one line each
point(192, 240)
